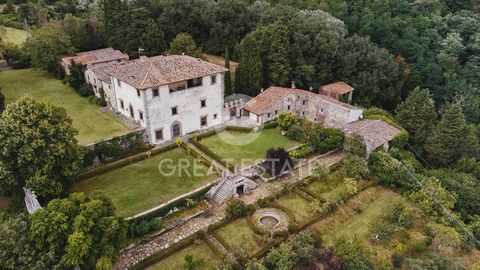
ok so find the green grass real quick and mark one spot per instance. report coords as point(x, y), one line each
point(356, 217)
point(241, 149)
point(299, 206)
point(140, 186)
point(13, 35)
point(326, 184)
point(200, 251)
point(240, 237)
point(92, 124)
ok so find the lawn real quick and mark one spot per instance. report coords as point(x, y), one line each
point(331, 187)
point(245, 148)
point(299, 206)
point(92, 124)
point(239, 237)
point(357, 216)
point(13, 35)
point(200, 251)
point(143, 185)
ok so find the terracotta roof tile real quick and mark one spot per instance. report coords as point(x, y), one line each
point(376, 132)
point(96, 56)
point(159, 70)
point(339, 88)
point(263, 102)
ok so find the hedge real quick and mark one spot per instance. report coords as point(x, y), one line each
point(123, 162)
point(239, 129)
point(163, 211)
point(197, 155)
point(213, 155)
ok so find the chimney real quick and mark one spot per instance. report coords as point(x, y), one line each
point(261, 90)
point(293, 84)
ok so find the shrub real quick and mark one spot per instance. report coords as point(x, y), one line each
point(286, 120)
point(328, 258)
point(301, 152)
point(354, 167)
point(237, 208)
point(14, 55)
point(383, 168)
point(278, 161)
point(143, 227)
point(195, 136)
point(320, 171)
point(353, 253)
point(382, 230)
point(179, 141)
point(355, 145)
point(95, 100)
point(304, 246)
point(85, 90)
point(324, 140)
point(296, 133)
point(190, 263)
point(400, 215)
point(352, 186)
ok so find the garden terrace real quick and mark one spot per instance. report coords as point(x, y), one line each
point(13, 35)
point(198, 250)
point(237, 236)
point(243, 149)
point(140, 186)
point(92, 124)
point(331, 187)
point(298, 206)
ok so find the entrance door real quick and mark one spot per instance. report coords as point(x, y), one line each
point(233, 112)
point(176, 130)
point(240, 190)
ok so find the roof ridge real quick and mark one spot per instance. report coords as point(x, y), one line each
point(146, 73)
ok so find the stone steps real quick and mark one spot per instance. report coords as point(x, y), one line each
point(224, 193)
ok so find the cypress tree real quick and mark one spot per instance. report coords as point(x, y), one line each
point(444, 145)
point(248, 73)
point(228, 77)
point(2, 102)
point(278, 54)
point(417, 115)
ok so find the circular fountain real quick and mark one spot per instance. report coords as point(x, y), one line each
point(270, 220)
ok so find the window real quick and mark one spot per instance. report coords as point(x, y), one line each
point(268, 115)
point(303, 113)
point(122, 105)
point(174, 110)
point(203, 103)
point(138, 92)
point(288, 108)
point(159, 134)
point(203, 121)
point(215, 116)
point(321, 110)
point(140, 115)
point(213, 79)
point(176, 86)
point(194, 82)
point(276, 112)
point(119, 83)
point(155, 92)
point(304, 102)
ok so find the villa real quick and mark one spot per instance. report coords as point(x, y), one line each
point(169, 96)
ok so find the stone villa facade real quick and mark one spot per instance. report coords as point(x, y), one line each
point(169, 96)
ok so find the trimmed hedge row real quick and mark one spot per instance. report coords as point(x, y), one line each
point(123, 162)
point(197, 155)
point(213, 155)
point(163, 211)
point(239, 129)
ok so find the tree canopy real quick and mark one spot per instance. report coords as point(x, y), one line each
point(39, 149)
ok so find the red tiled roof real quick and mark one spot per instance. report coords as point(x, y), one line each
point(339, 88)
point(273, 95)
point(96, 56)
point(159, 70)
point(101, 71)
point(376, 132)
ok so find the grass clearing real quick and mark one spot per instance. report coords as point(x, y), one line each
point(140, 186)
point(240, 237)
point(299, 206)
point(92, 124)
point(199, 251)
point(243, 150)
point(331, 187)
point(13, 35)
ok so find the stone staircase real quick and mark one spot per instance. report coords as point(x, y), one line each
point(224, 192)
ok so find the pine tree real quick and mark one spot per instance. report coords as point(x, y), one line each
point(445, 143)
point(248, 73)
point(228, 77)
point(417, 115)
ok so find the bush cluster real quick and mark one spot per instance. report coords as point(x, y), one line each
point(237, 208)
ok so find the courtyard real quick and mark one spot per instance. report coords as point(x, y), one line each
point(145, 184)
point(92, 124)
point(243, 148)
